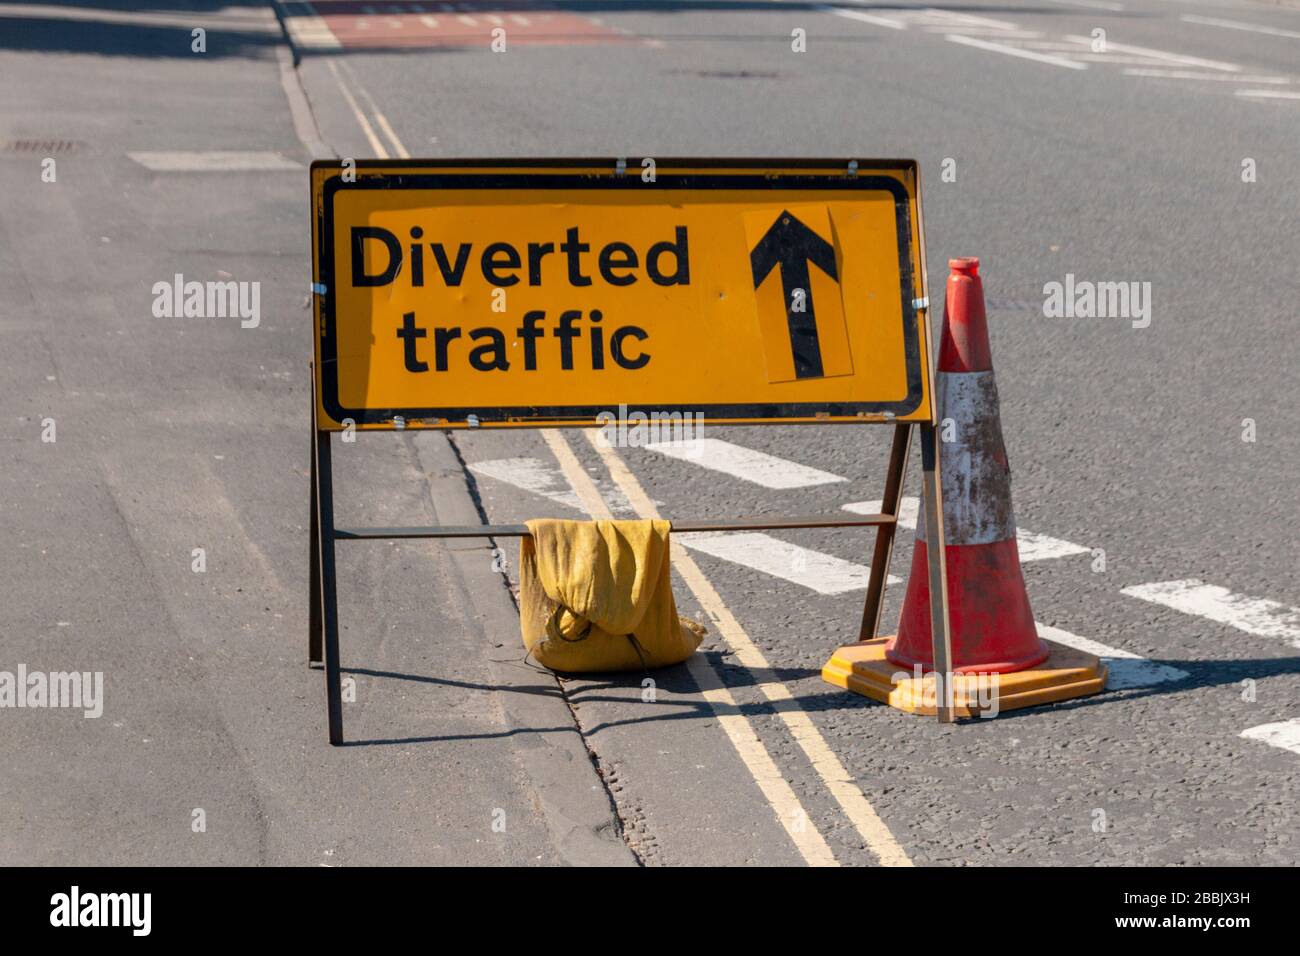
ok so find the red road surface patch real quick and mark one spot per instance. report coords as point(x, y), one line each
point(464, 23)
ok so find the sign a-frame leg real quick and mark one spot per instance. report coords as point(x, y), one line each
point(895, 472)
point(323, 578)
point(314, 626)
point(864, 667)
point(941, 635)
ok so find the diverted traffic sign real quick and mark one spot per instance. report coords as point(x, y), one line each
point(463, 293)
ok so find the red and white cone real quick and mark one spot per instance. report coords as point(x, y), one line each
point(990, 619)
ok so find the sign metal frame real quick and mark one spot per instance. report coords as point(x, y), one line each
point(323, 629)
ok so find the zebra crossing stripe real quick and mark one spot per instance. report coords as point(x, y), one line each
point(1258, 616)
point(746, 464)
point(1284, 734)
point(1031, 545)
point(815, 570)
point(1127, 670)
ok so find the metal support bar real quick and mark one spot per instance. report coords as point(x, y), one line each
point(704, 524)
point(895, 472)
point(314, 628)
point(329, 597)
point(939, 630)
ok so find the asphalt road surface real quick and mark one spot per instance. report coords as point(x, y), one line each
point(153, 494)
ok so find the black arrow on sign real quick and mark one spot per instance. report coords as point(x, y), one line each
point(790, 244)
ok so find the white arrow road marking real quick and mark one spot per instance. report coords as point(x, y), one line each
point(1258, 616)
point(1284, 734)
point(823, 573)
point(1127, 670)
point(1030, 545)
point(747, 464)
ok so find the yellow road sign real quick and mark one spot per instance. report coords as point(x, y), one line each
point(541, 292)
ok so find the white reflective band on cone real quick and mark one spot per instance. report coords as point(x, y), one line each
point(973, 465)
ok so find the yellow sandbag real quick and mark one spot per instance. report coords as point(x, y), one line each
point(597, 596)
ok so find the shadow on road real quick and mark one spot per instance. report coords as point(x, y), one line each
point(233, 28)
point(677, 682)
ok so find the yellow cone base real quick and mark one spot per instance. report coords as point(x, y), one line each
point(863, 669)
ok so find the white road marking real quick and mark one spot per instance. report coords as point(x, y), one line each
point(213, 161)
point(1058, 46)
point(1039, 547)
point(960, 20)
point(536, 477)
point(1269, 94)
point(864, 17)
point(832, 772)
point(1238, 25)
point(751, 750)
point(531, 475)
point(1030, 545)
point(1162, 55)
point(815, 570)
point(306, 28)
point(1097, 4)
point(1113, 59)
point(909, 508)
point(1219, 77)
point(998, 32)
point(1258, 616)
point(1014, 51)
point(1127, 670)
point(745, 463)
point(1284, 734)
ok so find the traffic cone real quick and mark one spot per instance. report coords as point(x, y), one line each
point(990, 619)
point(998, 660)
